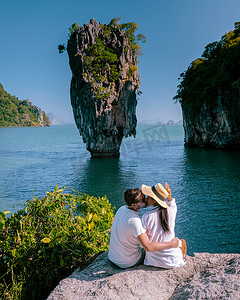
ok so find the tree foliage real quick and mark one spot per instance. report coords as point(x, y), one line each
point(129, 29)
point(73, 28)
point(46, 241)
point(14, 112)
point(217, 70)
point(101, 61)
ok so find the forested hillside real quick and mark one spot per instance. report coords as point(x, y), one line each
point(14, 112)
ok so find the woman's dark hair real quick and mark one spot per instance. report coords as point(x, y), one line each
point(163, 216)
point(131, 195)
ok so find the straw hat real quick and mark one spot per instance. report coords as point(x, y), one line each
point(157, 192)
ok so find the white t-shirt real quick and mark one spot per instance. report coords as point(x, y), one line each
point(124, 248)
point(168, 258)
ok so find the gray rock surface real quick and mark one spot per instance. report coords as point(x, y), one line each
point(204, 276)
point(40, 116)
point(216, 128)
point(104, 110)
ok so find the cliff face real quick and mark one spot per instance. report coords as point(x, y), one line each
point(104, 83)
point(218, 127)
point(209, 93)
point(204, 276)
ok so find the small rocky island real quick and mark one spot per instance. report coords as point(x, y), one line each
point(17, 113)
point(209, 94)
point(105, 82)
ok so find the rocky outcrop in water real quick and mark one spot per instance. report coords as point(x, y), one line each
point(218, 127)
point(204, 276)
point(209, 94)
point(104, 83)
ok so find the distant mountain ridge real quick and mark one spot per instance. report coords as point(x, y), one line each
point(56, 120)
point(159, 122)
point(17, 113)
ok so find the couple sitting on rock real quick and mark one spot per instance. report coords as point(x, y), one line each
point(150, 240)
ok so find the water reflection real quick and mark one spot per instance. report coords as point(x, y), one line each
point(100, 176)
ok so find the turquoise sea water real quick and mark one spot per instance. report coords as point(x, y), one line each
point(205, 183)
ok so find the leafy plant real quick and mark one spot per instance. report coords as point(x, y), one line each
point(132, 69)
point(46, 241)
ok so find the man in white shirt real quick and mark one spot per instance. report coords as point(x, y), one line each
point(127, 233)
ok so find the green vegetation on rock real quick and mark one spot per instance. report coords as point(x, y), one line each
point(48, 240)
point(216, 71)
point(129, 29)
point(14, 112)
point(101, 60)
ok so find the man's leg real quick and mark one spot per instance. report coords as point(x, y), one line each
point(141, 259)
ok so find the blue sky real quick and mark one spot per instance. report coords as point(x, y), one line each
point(176, 31)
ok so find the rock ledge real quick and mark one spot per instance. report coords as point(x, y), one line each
point(205, 276)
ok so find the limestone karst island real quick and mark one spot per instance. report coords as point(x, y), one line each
point(17, 113)
point(209, 94)
point(105, 83)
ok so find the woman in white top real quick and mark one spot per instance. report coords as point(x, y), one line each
point(159, 224)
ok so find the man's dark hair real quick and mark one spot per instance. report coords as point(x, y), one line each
point(131, 195)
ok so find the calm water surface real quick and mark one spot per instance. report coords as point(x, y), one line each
point(205, 183)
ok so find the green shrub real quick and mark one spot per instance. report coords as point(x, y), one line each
point(73, 28)
point(46, 241)
point(99, 59)
point(132, 69)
